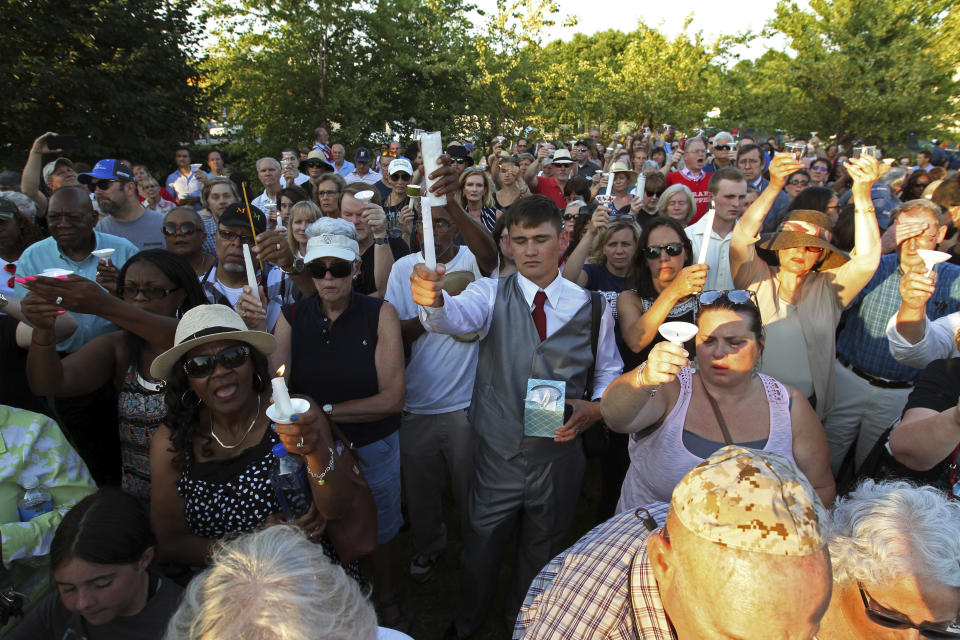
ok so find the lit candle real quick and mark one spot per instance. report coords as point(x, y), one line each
point(429, 250)
point(431, 148)
point(707, 232)
point(609, 184)
point(281, 397)
point(251, 274)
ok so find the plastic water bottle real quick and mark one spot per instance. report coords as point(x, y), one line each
point(35, 501)
point(289, 478)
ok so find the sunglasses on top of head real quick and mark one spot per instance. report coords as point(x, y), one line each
point(673, 249)
point(229, 358)
point(319, 270)
point(734, 296)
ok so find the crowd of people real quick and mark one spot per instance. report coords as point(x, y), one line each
point(757, 341)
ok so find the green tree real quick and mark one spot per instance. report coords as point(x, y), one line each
point(874, 70)
point(114, 72)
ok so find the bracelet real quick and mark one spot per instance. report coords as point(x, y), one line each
point(42, 344)
point(870, 211)
point(320, 478)
point(652, 390)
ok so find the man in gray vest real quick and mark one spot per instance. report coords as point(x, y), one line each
point(536, 328)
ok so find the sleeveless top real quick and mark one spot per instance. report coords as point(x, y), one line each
point(140, 410)
point(659, 461)
point(223, 497)
point(335, 363)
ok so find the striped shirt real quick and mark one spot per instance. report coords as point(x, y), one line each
point(601, 587)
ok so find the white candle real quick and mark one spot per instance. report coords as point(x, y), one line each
point(431, 148)
point(609, 183)
point(642, 185)
point(281, 397)
point(251, 274)
point(429, 250)
point(707, 232)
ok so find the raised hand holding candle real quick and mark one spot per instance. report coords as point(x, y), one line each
point(251, 274)
point(609, 184)
point(429, 249)
point(431, 148)
point(707, 233)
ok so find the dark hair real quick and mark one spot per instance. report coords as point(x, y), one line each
point(579, 228)
point(724, 173)
point(534, 210)
point(655, 180)
point(295, 193)
point(641, 278)
point(107, 527)
point(29, 232)
point(800, 172)
point(183, 417)
point(749, 308)
point(240, 179)
point(747, 148)
point(843, 228)
point(180, 273)
point(813, 198)
point(906, 193)
point(579, 186)
point(216, 150)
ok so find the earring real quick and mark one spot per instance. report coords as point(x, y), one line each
point(183, 399)
point(259, 382)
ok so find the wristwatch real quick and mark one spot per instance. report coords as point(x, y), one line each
point(297, 266)
point(383, 240)
point(3, 301)
point(327, 409)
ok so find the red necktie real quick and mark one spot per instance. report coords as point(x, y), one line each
point(539, 317)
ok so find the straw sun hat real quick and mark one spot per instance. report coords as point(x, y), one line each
point(805, 228)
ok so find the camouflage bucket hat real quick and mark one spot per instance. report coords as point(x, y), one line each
point(750, 500)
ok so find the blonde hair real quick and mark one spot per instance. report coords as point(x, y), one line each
point(273, 584)
point(599, 257)
point(671, 191)
point(305, 207)
point(489, 199)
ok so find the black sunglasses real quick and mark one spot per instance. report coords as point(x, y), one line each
point(654, 193)
point(673, 249)
point(570, 216)
point(459, 160)
point(102, 185)
point(722, 147)
point(130, 291)
point(896, 622)
point(186, 228)
point(313, 164)
point(319, 270)
point(799, 182)
point(229, 358)
point(401, 176)
point(734, 296)
point(627, 217)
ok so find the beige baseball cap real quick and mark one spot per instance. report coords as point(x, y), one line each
point(750, 500)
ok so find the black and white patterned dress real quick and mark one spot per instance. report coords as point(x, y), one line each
point(224, 497)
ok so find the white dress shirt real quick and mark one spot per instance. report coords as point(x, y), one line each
point(719, 277)
point(937, 341)
point(472, 310)
point(262, 200)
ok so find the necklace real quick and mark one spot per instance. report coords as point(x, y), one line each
point(249, 429)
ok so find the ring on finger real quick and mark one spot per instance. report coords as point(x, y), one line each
point(59, 299)
point(278, 246)
point(300, 444)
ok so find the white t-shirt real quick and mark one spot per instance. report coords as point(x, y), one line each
point(441, 372)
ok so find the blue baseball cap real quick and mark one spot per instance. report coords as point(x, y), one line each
point(107, 169)
point(363, 155)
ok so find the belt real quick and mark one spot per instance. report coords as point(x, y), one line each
point(883, 383)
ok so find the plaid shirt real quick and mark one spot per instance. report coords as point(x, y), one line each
point(601, 587)
point(863, 340)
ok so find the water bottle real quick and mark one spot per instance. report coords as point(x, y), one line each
point(289, 478)
point(35, 501)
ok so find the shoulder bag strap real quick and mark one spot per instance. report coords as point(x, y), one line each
point(716, 412)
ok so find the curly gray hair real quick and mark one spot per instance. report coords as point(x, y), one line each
point(886, 530)
point(273, 584)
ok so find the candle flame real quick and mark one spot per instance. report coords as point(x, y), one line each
point(282, 368)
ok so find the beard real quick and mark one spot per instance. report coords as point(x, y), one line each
point(233, 267)
point(109, 207)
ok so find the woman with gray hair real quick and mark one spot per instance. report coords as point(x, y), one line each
point(344, 349)
point(677, 202)
point(895, 550)
point(272, 584)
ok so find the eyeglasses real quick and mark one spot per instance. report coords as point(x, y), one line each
point(891, 621)
point(459, 160)
point(326, 194)
point(230, 236)
point(129, 291)
point(734, 296)
point(654, 193)
point(626, 217)
point(819, 169)
point(802, 183)
point(673, 249)
point(229, 358)
point(186, 228)
point(319, 270)
point(405, 177)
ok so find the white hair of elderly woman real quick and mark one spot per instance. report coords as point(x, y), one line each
point(23, 203)
point(884, 531)
point(273, 584)
point(335, 226)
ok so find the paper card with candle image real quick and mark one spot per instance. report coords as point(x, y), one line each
point(543, 407)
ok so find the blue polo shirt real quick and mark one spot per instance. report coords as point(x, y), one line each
point(46, 254)
point(863, 340)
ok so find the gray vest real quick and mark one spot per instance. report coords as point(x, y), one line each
point(511, 353)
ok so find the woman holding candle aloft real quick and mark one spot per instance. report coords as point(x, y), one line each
point(801, 299)
point(211, 459)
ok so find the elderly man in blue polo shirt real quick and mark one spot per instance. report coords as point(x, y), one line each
point(73, 239)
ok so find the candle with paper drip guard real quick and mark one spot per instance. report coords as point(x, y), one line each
point(609, 184)
point(429, 248)
point(251, 274)
point(364, 196)
point(283, 405)
point(678, 332)
point(103, 254)
point(932, 258)
point(707, 233)
point(431, 148)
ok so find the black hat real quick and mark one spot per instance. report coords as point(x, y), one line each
point(235, 215)
point(460, 151)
